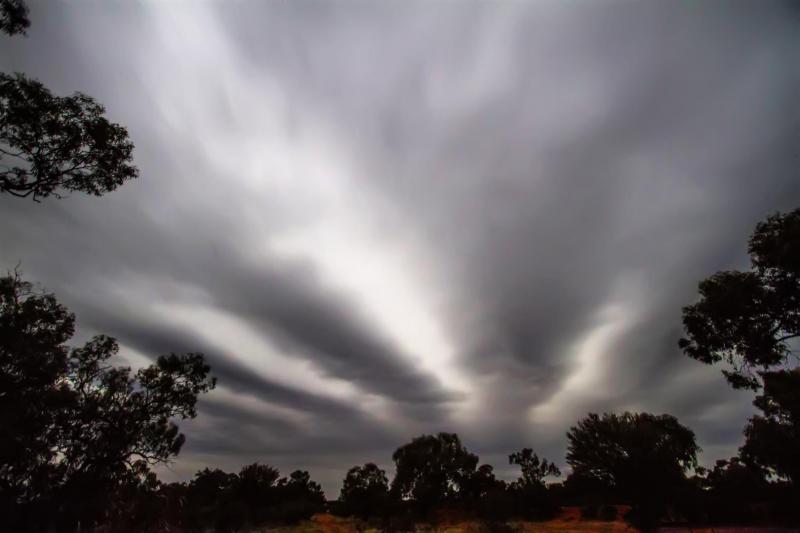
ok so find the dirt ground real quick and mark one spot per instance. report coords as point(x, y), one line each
point(325, 523)
point(568, 522)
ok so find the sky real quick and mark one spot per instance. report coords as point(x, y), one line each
point(384, 219)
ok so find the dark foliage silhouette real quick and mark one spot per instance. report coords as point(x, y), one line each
point(73, 428)
point(479, 484)
point(530, 496)
point(432, 470)
point(534, 470)
point(773, 438)
point(300, 497)
point(51, 144)
point(643, 456)
point(365, 492)
point(726, 493)
point(14, 17)
point(256, 489)
point(257, 496)
point(207, 498)
point(748, 318)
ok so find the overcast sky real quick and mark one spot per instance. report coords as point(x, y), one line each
point(384, 219)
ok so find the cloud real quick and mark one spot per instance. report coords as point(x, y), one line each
point(382, 220)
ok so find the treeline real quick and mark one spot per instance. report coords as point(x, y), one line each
point(641, 482)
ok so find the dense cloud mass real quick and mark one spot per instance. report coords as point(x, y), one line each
point(383, 219)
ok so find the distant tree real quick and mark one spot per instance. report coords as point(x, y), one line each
point(748, 318)
point(729, 493)
point(207, 498)
point(256, 488)
point(532, 499)
point(256, 497)
point(431, 470)
point(534, 470)
point(773, 438)
point(14, 17)
point(73, 429)
point(51, 144)
point(642, 456)
point(300, 497)
point(735, 480)
point(479, 484)
point(365, 491)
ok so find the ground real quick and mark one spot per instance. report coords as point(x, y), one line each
point(325, 523)
point(568, 522)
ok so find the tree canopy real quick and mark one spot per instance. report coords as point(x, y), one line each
point(74, 428)
point(14, 17)
point(534, 470)
point(365, 490)
point(432, 469)
point(751, 321)
point(748, 319)
point(773, 438)
point(644, 457)
point(51, 144)
point(631, 449)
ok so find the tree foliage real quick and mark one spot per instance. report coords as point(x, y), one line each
point(631, 449)
point(751, 320)
point(773, 438)
point(642, 456)
point(51, 144)
point(432, 469)
point(365, 491)
point(74, 428)
point(748, 319)
point(14, 17)
point(534, 470)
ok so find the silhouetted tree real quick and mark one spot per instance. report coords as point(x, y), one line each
point(534, 470)
point(50, 144)
point(476, 486)
point(773, 439)
point(581, 489)
point(14, 17)
point(531, 497)
point(33, 357)
point(257, 496)
point(641, 455)
point(300, 497)
point(431, 470)
point(256, 488)
point(365, 491)
point(73, 429)
point(729, 490)
point(748, 318)
point(207, 497)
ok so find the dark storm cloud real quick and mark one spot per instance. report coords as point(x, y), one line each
point(561, 176)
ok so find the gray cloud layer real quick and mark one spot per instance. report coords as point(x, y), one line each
point(384, 219)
